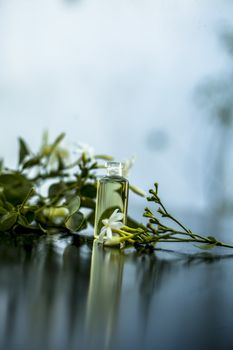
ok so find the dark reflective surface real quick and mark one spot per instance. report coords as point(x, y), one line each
point(56, 293)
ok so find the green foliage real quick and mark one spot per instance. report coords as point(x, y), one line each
point(75, 222)
point(73, 205)
point(8, 220)
point(23, 150)
point(70, 186)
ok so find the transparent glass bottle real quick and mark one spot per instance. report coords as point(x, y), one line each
point(112, 194)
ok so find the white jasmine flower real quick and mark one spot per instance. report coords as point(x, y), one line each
point(114, 222)
point(54, 152)
point(127, 165)
point(84, 148)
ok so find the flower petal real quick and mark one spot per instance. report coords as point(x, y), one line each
point(100, 240)
point(116, 216)
point(103, 231)
point(102, 234)
point(117, 224)
point(109, 233)
point(127, 165)
point(119, 216)
point(112, 217)
point(86, 149)
point(105, 222)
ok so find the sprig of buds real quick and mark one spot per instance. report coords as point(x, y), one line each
point(157, 230)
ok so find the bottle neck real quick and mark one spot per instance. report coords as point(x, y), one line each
point(114, 169)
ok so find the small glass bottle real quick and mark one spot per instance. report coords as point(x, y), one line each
point(112, 194)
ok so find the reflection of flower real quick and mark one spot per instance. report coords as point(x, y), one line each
point(84, 148)
point(112, 223)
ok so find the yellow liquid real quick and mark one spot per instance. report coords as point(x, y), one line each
point(112, 193)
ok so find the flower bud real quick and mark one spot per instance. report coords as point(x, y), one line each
point(53, 213)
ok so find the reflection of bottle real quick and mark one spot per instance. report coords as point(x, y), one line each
point(103, 297)
point(112, 193)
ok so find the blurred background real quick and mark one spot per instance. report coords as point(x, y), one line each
point(151, 79)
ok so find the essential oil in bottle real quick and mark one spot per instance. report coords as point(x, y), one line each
point(112, 194)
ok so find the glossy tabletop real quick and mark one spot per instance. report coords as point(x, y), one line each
point(58, 292)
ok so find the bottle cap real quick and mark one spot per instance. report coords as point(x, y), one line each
point(114, 168)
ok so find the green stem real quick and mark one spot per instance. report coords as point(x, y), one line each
point(51, 175)
point(130, 229)
point(32, 191)
point(178, 223)
point(192, 235)
point(222, 244)
point(178, 240)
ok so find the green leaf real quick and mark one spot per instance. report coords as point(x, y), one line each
point(23, 150)
point(88, 203)
point(89, 191)
point(9, 206)
point(32, 162)
point(57, 188)
point(7, 221)
point(61, 163)
point(22, 220)
point(91, 218)
point(30, 216)
point(3, 211)
point(15, 187)
point(73, 205)
point(75, 222)
point(1, 165)
point(4, 204)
